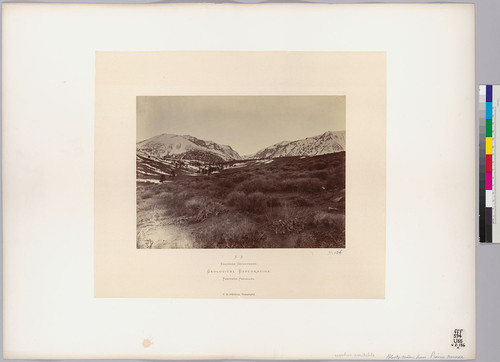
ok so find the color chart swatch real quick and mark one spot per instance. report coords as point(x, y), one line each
point(489, 102)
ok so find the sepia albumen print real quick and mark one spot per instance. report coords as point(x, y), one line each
point(240, 172)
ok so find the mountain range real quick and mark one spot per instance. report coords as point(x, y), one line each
point(328, 142)
point(187, 147)
point(192, 148)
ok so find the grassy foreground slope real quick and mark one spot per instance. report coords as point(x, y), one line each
point(290, 202)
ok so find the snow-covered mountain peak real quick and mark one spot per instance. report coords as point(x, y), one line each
point(168, 145)
point(328, 142)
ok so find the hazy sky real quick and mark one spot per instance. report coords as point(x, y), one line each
point(246, 123)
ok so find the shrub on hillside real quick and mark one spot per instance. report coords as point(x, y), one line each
point(174, 203)
point(254, 184)
point(326, 219)
point(236, 198)
point(147, 194)
point(257, 202)
point(201, 208)
point(300, 201)
point(307, 185)
point(254, 202)
point(226, 183)
point(286, 220)
point(322, 175)
point(230, 231)
point(318, 165)
point(239, 177)
point(272, 201)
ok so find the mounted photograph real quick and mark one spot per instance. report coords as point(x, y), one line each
point(197, 177)
point(236, 172)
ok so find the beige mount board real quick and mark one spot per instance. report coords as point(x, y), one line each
point(358, 272)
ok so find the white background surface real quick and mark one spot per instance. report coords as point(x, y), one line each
point(52, 249)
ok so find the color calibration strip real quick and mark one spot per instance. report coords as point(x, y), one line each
point(489, 99)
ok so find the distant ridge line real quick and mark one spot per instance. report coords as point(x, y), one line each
point(180, 146)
